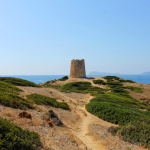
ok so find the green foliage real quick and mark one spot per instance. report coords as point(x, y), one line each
point(130, 81)
point(113, 84)
point(14, 138)
point(81, 87)
point(110, 78)
point(63, 78)
point(44, 100)
point(135, 89)
point(49, 85)
point(9, 97)
point(18, 82)
point(117, 109)
point(99, 82)
point(119, 90)
point(117, 87)
point(135, 132)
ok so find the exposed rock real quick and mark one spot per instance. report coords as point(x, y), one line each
point(25, 115)
point(52, 118)
point(50, 123)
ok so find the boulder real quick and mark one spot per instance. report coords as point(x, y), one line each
point(24, 114)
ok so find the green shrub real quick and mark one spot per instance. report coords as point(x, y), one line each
point(119, 90)
point(117, 87)
point(9, 97)
point(117, 109)
point(14, 138)
point(63, 78)
point(18, 82)
point(135, 89)
point(110, 78)
point(44, 100)
point(135, 132)
point(99, 82)
point(81, 87)
point(113, 84)
point(49, 85)
point(130, 81)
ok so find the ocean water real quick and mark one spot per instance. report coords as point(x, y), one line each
point(43, 78)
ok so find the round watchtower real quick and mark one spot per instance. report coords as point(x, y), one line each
point(77, 69)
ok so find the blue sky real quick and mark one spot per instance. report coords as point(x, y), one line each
point(40, 37)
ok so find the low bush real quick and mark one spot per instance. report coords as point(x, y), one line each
point(63, 78)
point(49, 84)
point(113, 84)
point(9, 96)
point(44, 100)
point(130, 81)
point(135, 132)
point(99, 82)
point(110, 78)
point(119, 90)
point(81, 87)
point(117, 109)
point(135, 89)
point(18, 82)
point(14, 138)
point(117, 87)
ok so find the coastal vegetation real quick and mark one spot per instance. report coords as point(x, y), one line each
point(129, 81)
point(9, 96)
point(117, 109)
point(99, 82)
point(135, 132)
point(49, 84)
point(44, 100)
point(111, 78)
point(81, 87)
point(63, 78)
point(18, 82)
point(135, 89)
point(14, 137)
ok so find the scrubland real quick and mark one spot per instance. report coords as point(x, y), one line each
point(95, 113)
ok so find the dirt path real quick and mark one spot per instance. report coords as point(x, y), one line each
point(91, 130)
point(82, 129)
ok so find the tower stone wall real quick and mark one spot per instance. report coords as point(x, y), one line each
point(77, 69)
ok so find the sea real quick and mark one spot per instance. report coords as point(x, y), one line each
point(43, 78)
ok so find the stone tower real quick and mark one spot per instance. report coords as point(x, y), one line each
point(77, 69)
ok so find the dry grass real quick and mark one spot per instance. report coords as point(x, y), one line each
point(9, 114)
point(36, 122)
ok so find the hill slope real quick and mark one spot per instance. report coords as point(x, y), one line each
point(81, 130)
